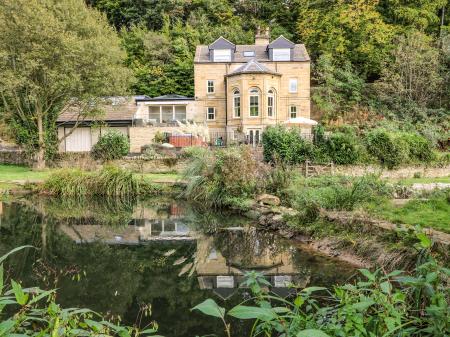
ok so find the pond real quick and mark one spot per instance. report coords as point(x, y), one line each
point(118, 258)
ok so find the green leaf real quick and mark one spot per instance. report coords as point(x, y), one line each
point(21, 297)
point(211, 308)
point(312, 333)
point(386, 287)
point(6, 326)
point(41, 296)
point(425, 241)
point(363, 305)
point(246, 312)
point(4, 257)
point(310, 290)
point(367, 274)
point(299, 301)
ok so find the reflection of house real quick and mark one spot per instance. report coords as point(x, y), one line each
point(239, 91)
point(224, 276)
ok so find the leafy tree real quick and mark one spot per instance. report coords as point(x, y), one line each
point(413, 78)
point(55, 54)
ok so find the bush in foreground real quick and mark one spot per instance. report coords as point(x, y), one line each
point(388, 147)
point(110, 146)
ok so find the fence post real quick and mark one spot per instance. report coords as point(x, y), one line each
point(306, 168)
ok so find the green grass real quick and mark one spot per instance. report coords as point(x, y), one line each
point(10, 173)
point(434, 212)
point(410, 181)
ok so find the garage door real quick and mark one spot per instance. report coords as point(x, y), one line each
point(79, 141)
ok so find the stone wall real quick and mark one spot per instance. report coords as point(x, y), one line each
point(141, 136)
point(400, 173)
point(14, 157)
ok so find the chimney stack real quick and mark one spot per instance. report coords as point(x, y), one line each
point(262, 38)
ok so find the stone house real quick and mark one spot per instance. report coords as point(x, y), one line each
point(239, 91)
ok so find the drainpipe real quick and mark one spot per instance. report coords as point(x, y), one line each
point(226, 105)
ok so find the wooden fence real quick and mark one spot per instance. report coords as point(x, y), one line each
point(310, 169)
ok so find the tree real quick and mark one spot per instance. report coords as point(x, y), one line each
point(414, 75)
point(53, 55)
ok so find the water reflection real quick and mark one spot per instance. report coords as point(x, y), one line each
point(132, 254)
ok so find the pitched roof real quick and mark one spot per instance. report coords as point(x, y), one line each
point(281, 42)
point(222, 43)
point(252, 67)
point(116, 108)
point(261, 54)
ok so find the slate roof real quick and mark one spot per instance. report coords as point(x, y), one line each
point(261, 54)
point(118, 109)
point(222, 43)
point(252, 67)
point(281, 42)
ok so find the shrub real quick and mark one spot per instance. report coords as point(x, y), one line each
point(388, 147)
point(343, 148)
point(159, 137)
point(112, 145)
point(420, 148)
point(287, 145)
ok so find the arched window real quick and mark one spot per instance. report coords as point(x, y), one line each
point(254, 102)
point(271, 99)
point(236, 103)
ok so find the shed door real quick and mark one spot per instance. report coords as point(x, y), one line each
point(79, 141)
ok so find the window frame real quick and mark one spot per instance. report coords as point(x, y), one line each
point(258, 101)
point(237, 95)
point(281, 54)
point(207, 113)
point(291, 82)
point(221, 57)
point(213, 86)
point(271, 95)
point(291, 108)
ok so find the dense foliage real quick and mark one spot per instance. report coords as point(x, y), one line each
point(53, 55)
point(112, 145)
point(34, 312)
point(388, 147)
point(379, 304)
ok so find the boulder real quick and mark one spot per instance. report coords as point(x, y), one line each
point(268, 199)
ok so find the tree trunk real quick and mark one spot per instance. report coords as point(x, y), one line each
point(40, 155)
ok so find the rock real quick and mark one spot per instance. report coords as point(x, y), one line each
point(268, 199)
point(167, 146)
point(277, 218)
point(252, 214)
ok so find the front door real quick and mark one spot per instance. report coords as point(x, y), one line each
point(254, 137)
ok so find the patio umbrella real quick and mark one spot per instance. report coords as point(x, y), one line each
point(300, 121)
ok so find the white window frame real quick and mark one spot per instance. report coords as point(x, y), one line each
point(237, 95)
point(208, 86)
point(293, 85)
point(293, 111)
point(222, 55)
point(207, 113)
point(271, 107)
point(258, 106)
point(249, 53)
point(281, 54)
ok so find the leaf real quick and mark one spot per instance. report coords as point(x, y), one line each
point(425, 241)
point(367, 274)
point(386, 287)
point(6, 326)
point(310, 290)
point(211, 308)
point(246, 312)
point(170, 252)
point(21, 297)
point(180, 261)
point(41, 296)
point(363, 305)
point(312, 333)
point(299, 301)
point(4, 257)
point(185, 269)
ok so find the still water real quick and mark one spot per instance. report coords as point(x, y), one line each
point(119, 257)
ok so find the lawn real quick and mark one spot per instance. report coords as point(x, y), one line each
point(434, 212)
point(14, 173)
point(410, 181)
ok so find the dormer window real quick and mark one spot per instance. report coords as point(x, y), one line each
point(282, 54)
point(222, 55)
point(250, 53)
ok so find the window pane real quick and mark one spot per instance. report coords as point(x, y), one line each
point(254, 106)
point(270, 106)
point(282, 54)
point(211, 114)
point(180, 113)
point(153, 114)
point(222, 55)
point(293, 85)
point(167, 114)
point(293, 112)
point(237, 106)
point(210, 86)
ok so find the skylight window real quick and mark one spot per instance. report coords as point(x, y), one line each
point(249, 53)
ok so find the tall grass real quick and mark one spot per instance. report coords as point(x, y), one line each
point(110, 181)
